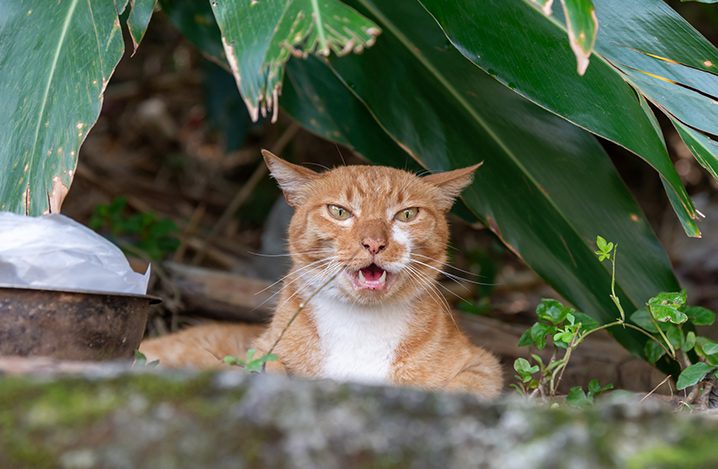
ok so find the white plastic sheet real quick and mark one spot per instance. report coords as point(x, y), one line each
point(56, 252)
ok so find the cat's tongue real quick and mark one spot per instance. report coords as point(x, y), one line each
point(372, 277)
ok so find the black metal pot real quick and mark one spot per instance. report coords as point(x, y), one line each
point(71, 325)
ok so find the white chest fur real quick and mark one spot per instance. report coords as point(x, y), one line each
point(358, 342)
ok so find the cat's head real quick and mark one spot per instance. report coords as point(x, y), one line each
point(367, 234)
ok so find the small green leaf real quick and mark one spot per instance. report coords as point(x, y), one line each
point(537, 359)
point(539, 332)
point(526, 339)
point(690, 341)
point(595, 388)
point(140, 359)
point(675, 336)
point(523, 367)
point(707, 346)
point(665, 313)
point(653, 351)
point(576, 397)
point(700, 316)
point(693, 374)
point(605, 248)
point(552, 311)
point(233, 361)
point(587, 322)
point(642, 318)
point(674, 299)
point(602, 244)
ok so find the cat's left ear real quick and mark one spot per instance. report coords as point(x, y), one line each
point(451, 183)
point(293, 179)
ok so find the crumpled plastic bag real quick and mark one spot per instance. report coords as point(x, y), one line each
point(56, 252)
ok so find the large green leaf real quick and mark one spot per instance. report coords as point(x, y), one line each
point(582, 26)
point(259, 38)
point(55, 61)
point(514, 41)
point(546, 188)
point(196, 21)
point(315, 98)
point(139, 18)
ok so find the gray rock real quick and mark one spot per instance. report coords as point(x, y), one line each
point(125, 418)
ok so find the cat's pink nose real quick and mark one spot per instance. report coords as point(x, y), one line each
point(373, 245)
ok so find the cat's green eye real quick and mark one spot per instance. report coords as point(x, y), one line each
point(338, 212)
point(406, 214)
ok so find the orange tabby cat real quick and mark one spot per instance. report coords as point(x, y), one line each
point(367, 245)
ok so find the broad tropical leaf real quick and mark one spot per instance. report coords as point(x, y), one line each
point(139, 18)
point(582, 26)
point(196, 21)
point(525, 52)
point(55, 61)
point(315, 98)
point(259, 38)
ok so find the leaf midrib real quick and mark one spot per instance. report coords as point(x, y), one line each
point(425, 62)
point(320, 27)
point(48, 85)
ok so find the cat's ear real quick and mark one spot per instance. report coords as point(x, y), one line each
point(293, 179)
point(451, 183)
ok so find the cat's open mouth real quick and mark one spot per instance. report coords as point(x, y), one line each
point(371, 277)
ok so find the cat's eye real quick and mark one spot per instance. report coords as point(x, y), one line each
point(338, 212)
point(406, 214)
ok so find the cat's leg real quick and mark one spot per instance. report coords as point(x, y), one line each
point(481, 375)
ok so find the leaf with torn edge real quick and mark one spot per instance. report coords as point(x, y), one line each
point(56, 62)
point(703, 147)
point(139, 18)
point(582, 26)
point(545, 5)
point(260, 36)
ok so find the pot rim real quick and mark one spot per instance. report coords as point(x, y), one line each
point(153, 300)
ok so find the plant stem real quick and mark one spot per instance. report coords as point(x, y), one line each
point(303, 305)
point(575, 340)
point(614, 297)
point(663, 336)
point(619, 322)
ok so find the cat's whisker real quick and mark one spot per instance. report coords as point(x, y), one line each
point(294, 272)
point(447, 265)
point(449, 275)
point(430, 287)
point(322, 277)
point(453, 279)
point(319, 251)
point(298, 275)
point(428, 284)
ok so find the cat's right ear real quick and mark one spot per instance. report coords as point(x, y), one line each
point(293, 179)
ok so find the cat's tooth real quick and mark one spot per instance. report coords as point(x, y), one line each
point(382, 279)
point(361, 277)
